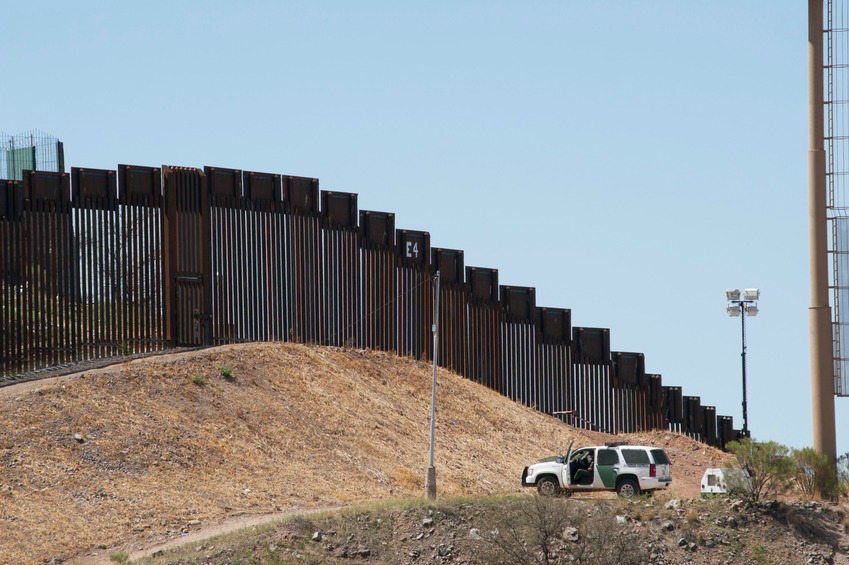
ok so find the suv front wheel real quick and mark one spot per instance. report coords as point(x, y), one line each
point(548, 486)
point(627, 488)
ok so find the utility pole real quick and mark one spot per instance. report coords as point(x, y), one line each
point(430, 481)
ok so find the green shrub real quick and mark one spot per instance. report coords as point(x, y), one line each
point(760, 554)
point(198, 380)
point(226, 372)
point(769, 464)
point(120, 557)
point(814, 474)
point(545, 530)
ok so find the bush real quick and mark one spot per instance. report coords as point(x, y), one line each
point(226, 372)
point(547, 530)
point(528, 532)
point(769, 465)
point(198, 380)
point(814, 474)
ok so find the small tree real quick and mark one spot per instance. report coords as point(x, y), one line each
point(768, 464)
point(814, 474)
point(545, 530)
point(529, 531)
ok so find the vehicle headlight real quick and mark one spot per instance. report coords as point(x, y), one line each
point(530, 472)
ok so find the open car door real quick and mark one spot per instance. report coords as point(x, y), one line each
point(566, 479)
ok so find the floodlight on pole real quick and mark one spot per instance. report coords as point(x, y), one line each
point(741, 307)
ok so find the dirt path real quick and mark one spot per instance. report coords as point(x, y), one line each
point(146, 550)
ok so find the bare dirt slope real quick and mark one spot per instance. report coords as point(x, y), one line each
point(152, 448)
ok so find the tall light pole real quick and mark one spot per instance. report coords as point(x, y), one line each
point(430, 480)
point(819, 313)
point(747, 305)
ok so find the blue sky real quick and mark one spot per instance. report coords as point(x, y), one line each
point(631, 160)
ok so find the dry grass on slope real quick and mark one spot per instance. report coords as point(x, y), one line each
point(165, 441)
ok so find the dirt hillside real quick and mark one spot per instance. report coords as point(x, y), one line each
point(148, 450)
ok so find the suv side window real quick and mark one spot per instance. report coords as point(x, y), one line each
point(660, 457)
point(636, 457)
point(608, 457)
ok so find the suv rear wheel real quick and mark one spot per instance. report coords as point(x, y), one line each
point(627, 488)
point(548, 486)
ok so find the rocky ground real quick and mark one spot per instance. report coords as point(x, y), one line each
point(133, 455)
point(528, 529)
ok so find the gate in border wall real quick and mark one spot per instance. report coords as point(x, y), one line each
point(97, 264)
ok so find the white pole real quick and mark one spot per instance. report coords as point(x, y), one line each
point(430, 481)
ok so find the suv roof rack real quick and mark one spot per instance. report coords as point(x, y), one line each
point(615, 443)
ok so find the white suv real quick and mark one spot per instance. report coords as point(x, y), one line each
point(626, 469)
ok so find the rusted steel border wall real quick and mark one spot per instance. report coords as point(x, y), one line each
point(519, 345)
point(414, 294)
point(453, 316)
point(553, 358)
point(378, 263)
point(340, 268)
point(103, 263)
